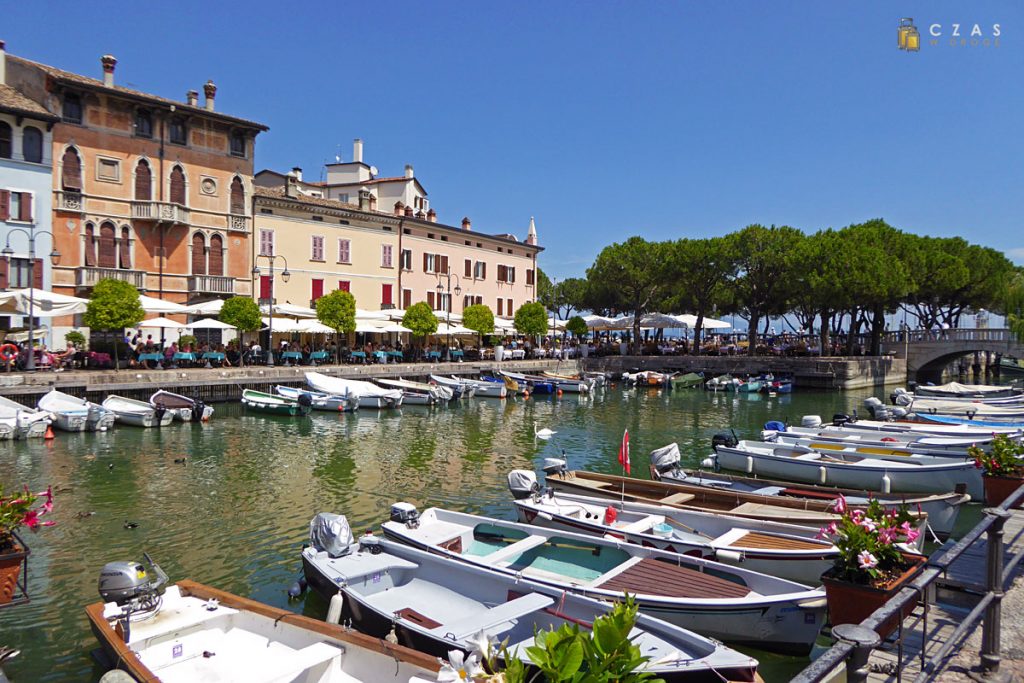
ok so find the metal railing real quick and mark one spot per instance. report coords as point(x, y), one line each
point(942, 336)
point(855, 642)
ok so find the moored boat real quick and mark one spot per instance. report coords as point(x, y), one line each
point(26, 422)
point(331, 403)
point(485, 389)
point(277, 405)
point(720, 383)
point(369, 394)
point(184, 408)
point(966, 390)
point(460, 388)
point(66, 415)
point(537, 384)
point(421, 393)
point(689, 380)
point(98, 418)
point(136, 413)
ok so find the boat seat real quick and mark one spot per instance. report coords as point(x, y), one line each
point(296, 662)
point(677, 498)
point(499, 614)
point(641, 525)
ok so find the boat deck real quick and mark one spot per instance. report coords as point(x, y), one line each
point(654, 577)
point(754, 539)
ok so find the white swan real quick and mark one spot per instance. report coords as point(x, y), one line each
point(544, 433)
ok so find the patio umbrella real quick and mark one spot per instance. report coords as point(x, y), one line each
point(207, 307)
point(690, 320)
point(374, 315)
point(39, 334)
point(443, 330)
point(289, 310)
point(395, 328)
point(210, 324)
point(315, 327)
point(162, 323)
point(282, 324)
point(153, 305)
point(46, 304)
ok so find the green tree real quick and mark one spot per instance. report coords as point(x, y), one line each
point(243, 313)
point(75, 337)
point(337, 310)
point(700, 273)
point(1012, 305)
point(577, 326)
point(113, 306)
point(480, 319)
point(420, 319)
point(633, 277)
point(531, 319)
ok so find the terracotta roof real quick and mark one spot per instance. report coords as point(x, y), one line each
point(278, 193)
point(95, 84)
point(13, 101)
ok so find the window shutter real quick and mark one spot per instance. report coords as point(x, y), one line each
point(25, 207)
point(469, 268)
point(430, 300)
point(264, 286)
point(385, 295)
point(216, 256)
point(425, 263)
point(483, 276)
point(501, 273)
point(500, 307)
point(198, 254)
point(37, 274)
point(529, 276)
point(443, 264)
point(108, 246)
point(177, 186)
point(126, 254)
point(317, 289)
point(143, 182)
point(71, 173)
point(509, 307)
point(512, 274)
point(344, 285)
point(5, 205)
point(4, 266)
point(266, 242)
point(90, 246)
point(237, 197)
point(344, 251)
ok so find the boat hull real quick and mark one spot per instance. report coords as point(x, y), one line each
point(76, 421)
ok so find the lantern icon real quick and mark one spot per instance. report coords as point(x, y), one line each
point(907, 37)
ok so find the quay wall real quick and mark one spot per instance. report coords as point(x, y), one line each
point(816, 372)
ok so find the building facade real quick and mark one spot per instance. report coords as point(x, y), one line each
point(145, 189)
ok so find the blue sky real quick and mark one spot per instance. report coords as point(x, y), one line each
point(603, 119)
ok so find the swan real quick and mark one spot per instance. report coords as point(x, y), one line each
point(544, 433)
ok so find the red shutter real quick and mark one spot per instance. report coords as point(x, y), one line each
point(469, 268)
point(345, 285)
point(4, 264)
point(71, 174)
point(317, 289)
point(385, 295)
point(37, 274)
point(483, 274)
point(198, 254)
point(430, 300)
point(216, 255)
point(143, 182)
point(5, 205)
point(444, 264)
point(425, 263)
point(529, 276)
point(406, 298)
point(108, 246)
point(264, 286)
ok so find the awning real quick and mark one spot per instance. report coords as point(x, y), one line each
point(161, 323)
point(206, 307)
point(46, 304)
point(315, 327)
point(289, 310)
point(210, 324)
point(153, 305)
point(444, 330)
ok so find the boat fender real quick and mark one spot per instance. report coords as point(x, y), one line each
point(544, 515)
point(886, 483)
point(774, 426)
point(298, 588)
point(610, 515)
point(334, 609)
point(112, 676)
point(822, 475)
point(730, 556)
point(709, 463)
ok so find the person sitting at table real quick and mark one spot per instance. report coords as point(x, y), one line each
point(224, 361)
point(64, 357)
point(169, 352)
point(233, 356)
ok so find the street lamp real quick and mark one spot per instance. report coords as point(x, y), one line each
point(447, 288)
point(31, 234)
point(285, 275)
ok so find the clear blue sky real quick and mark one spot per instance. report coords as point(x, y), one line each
point(602, 119)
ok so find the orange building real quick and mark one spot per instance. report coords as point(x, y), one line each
point(149, 190)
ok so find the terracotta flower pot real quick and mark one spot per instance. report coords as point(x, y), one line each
point(998, 489)
point(852, 603)
point(10, 570)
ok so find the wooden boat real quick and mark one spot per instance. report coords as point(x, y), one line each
point(98, 418)
point(184, 408)
point(511, 385)
point(277, 405)
point(202, 634)
point(136, 413)
point(496, 389)
point(369, 394)
point(320, 401)
point(688, 381)
point(436, 604)
point(707, 597)
point(885, 473)
point(785, 550)
point(460, 389)
point(569, 384)
point(26, 422)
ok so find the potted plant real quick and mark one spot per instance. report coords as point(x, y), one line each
point(17, 510)
point(871, 566)
point(1003, 469)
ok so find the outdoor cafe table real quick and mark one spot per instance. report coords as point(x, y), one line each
point(458, 353)
point(434, 355)
point(517, 354)
point(317, 355)
point(361, 355)
point(292, 355)
point(155, 357)
point(213, 355)
point(183, 355)
point(381, 356)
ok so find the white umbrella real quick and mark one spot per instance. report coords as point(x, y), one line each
point(206, 307)
point(503, 325)
point(38, 335)
point(444, 330)
point(290, 310)
point(396, 328)
point(367, 327)
point(162, 323)
point(210, 324)
point(315, 327)
point(690, 320)
point(153, 305)
point(556, 324)
point(374, 315)
point(45, 304)
point(283, 324)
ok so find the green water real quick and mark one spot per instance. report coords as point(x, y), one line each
point(237, 512)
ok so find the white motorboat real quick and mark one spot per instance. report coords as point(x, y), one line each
point(434, 393)
point(966, 390)
point(137, 413)
point(784, 550)
point(191, 633)
point(459, 388)
point(483, 388)
point(717, 600)
point(437, 604)
point(369, 394)
point(570, 385)
point(955, 430)
point(864, 446)
point(98, 418)
point(968, 409)
point(184, 408)
point(918, 442)
point(330, 403)
point(885, 473)
point(26, 422)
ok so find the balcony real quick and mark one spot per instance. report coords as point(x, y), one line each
point(160, 211)
point(88, 276)
point(211, 284)
point(69, 201)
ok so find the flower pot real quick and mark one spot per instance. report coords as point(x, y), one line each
point(499, 353)
point(852, 603)
point(10, 570)
point(998, 489)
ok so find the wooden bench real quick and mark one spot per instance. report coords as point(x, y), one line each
point(677, 498)
point(499, 614)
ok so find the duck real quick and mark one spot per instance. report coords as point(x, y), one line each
point(130, 525)
point(543, 433)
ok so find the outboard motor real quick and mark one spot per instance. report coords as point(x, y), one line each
point(304, 400)
point(839, 419)
point(665, 459)
point(198, 409)
point(131, 587)
point(522, 484)
point(553, 466)
point(904, 399)
point(810, 421)
point(405, 513)
point(726, 439)
point(331, 534)
point(158, 413)
point(898, 412)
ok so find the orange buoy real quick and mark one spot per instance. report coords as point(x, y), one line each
point(559, 393)
point(49, 432)
point(526, 394)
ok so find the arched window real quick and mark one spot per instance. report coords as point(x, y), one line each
point(125, 251)
point(71, 173)
point(143, 181)
point(216, 255)
point(32, 144)
point(72, 108)
point(5, 140)
point(178, 186)
point(108, 246)
point(198, 254)
point(237, 197)
point(90, 245)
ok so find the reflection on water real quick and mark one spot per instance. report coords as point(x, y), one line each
point(236, 513)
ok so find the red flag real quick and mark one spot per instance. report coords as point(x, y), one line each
point(624, 451)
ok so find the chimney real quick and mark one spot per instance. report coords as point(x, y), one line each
point(357, 151)
point(192, 98)
point(3, 63)
point(364, 200)
point(531, 234)
point(297, 173)
point(466, 224)
point(408, 211)
point(210, 90)
point(291, 187)
point(408, 170)
point(432, 215)
point(373, 202)
point(108, 62)
point(399, 208)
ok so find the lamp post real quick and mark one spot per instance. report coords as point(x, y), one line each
point(447, 288)
point(285, 275)
point(31, 234)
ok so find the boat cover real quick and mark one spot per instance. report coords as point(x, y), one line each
point(958, 389)
point(331, 534)
point(665, 458)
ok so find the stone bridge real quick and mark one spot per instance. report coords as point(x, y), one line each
point(928, 351)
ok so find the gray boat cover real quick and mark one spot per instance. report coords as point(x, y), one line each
point(331, 534)
point(957, 389)
point(665, 458)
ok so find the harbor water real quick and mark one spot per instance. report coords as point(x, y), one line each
point(228, 503)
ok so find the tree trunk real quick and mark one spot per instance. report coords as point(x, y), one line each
point(826, 323)
point(852, 334)
point(752, 334)
point(877, 328)
point(116, 362)
point(697, 329)
point(636, 334)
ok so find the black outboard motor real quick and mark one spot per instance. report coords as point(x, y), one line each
point(839, 419)
point(726, 439)
point(198, 408)
point(305, 400)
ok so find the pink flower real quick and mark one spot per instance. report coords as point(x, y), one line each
point(857, 515)
point(887, 536)
point(866, 560)
point(910, 532)
point(868, 524)
point(840, 505)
